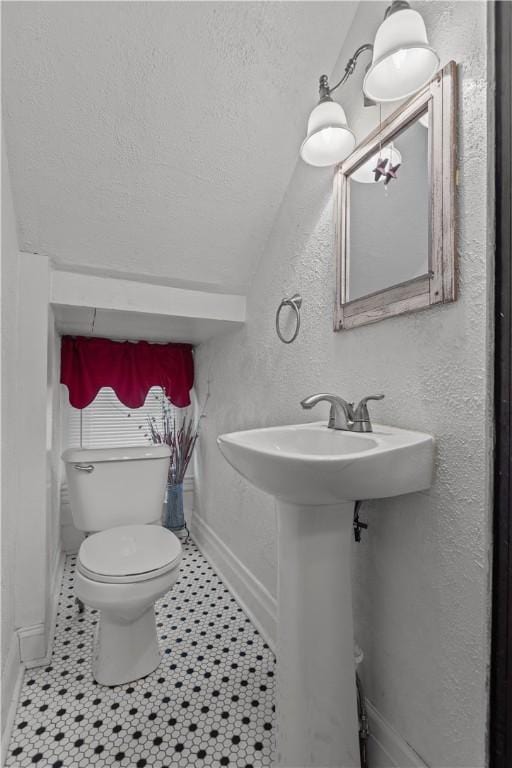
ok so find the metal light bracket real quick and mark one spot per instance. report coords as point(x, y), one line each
point(325, 89)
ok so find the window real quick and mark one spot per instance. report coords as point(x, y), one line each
point(106, 422)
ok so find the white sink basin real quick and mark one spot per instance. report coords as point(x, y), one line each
point(310, 464)
point(316, 474)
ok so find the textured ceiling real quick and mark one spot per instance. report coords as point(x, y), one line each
point(159, 138)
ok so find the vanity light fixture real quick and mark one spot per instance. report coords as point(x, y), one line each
point(402, 63)
point(329, 140)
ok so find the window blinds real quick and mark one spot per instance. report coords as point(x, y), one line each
point(106, 422)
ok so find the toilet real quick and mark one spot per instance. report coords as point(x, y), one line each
point(128, 560)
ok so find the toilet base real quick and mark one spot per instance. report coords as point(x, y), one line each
point(125, 650)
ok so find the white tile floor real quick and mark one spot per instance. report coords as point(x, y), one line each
point(210, 703)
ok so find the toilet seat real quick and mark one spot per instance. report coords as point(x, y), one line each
point(128, 554)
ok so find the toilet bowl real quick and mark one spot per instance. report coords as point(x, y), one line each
point(122, 572)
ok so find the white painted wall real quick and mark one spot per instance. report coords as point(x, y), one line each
point(421, 576)
point(33, 446)
point(112, 307)
point(9, 287)
point(54, 468)
point(30, 541)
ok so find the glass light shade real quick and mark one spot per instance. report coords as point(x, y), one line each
point(365, 173)
point(329, 139)
point(402, 61)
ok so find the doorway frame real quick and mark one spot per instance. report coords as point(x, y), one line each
point(500, 727)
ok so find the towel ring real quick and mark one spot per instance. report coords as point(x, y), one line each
point(295, 302)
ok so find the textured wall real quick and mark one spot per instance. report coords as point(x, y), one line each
point(421, 576)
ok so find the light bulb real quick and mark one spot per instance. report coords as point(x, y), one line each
point(399, 58)
point(327, 136)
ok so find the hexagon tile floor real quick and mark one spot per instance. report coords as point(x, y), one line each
point(210, 702)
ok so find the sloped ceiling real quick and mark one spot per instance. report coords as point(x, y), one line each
point(159, 138)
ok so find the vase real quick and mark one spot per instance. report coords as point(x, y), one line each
point(174, 517)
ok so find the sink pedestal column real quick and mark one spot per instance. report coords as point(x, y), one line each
point(316, 703)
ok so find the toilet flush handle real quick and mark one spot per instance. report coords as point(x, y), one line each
point(84, 467)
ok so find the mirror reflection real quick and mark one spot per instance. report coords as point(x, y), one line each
point(389, 214)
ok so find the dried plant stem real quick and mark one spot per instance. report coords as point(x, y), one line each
point(179, 433)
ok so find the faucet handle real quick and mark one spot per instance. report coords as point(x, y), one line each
point(361, 415)
point(364, 400)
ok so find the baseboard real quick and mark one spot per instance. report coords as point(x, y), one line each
point(250, 593)
point(12, 678)
point(32, 640)
point(386, 748)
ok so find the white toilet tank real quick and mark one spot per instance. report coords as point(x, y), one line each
point(116, 486)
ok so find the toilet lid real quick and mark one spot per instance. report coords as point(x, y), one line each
point(129, 550)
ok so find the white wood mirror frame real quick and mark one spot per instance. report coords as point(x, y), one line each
point(438, 284)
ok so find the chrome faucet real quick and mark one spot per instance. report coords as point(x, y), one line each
point(343, 415)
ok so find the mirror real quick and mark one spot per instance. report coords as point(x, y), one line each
point(395, 208)
point(393, 246)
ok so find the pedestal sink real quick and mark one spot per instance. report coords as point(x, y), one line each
point(316, 475)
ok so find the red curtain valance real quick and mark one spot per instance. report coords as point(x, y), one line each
point(130, 368)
